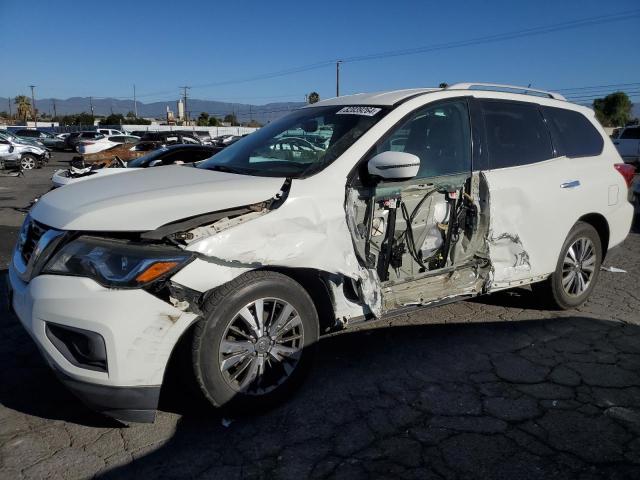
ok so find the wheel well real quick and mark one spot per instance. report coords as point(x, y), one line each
point(314, 283)
point(601, 225)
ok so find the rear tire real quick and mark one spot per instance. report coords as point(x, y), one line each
point(577, 270)
point(249, 361)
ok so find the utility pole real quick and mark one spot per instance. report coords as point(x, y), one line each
point(33, 105)
point(55, 113)
point(338, 77)
point(135, 104)
point(10, 113)
point(91, 105)
point(186, 110)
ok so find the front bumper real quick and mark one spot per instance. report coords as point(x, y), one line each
point(129, 404)
point(139, 332)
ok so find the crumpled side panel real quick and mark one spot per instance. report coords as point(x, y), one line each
point(305, 232)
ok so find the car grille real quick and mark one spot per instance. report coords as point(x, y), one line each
point(29, 238)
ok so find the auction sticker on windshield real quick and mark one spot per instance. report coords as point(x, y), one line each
point(367, 111)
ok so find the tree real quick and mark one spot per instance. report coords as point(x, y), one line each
point(23, 105)
point(231, 118)
point(203, 119)
point(313, 97)
point(76, 119)
point(214, 122)
point(443, 85)
point(130, 114)
point(113, 119)
point(254, 124)
point(614, 110)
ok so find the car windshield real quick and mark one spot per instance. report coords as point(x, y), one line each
point(145, 160)
point(299, 144)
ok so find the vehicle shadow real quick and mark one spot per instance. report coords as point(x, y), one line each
point(377, 384)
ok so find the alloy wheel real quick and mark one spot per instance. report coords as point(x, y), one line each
point(578, 267)
point(261, 346)
point(28, 163)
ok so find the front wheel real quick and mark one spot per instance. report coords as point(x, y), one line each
point(28, 162)
point(576, 271)
point(256, 341)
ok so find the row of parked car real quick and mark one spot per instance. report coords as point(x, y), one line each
point(103, 154)
point(26, 148)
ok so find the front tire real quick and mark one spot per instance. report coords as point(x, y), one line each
point(28, 162)
point(256, 341)
point(577, 269)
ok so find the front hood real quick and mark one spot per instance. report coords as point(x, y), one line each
point(145, 199)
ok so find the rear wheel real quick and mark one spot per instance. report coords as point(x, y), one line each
point(256, 341)
point(28, 161)
point(577, 269)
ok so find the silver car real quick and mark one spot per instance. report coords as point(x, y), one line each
point(16, 154)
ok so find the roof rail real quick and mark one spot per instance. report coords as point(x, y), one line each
point(496, 87)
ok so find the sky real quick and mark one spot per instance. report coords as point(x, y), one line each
point(101, 49)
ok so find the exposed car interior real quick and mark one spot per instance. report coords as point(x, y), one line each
point(430, 227)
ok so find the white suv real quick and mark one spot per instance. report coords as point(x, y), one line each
point(109, 132)
point(415, 198)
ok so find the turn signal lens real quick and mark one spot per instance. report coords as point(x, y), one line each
point(156, 270)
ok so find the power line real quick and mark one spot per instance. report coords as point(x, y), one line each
point(593, 87)
point(534, 31)
point(601, 95)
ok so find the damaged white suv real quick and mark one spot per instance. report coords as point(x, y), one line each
point(339, 212)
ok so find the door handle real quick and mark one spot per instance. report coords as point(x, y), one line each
point(570, 184)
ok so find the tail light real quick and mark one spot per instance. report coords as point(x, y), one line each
point(627, 171)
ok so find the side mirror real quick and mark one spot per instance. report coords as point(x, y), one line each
point(394, 165)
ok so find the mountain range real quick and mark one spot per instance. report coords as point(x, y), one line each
point(105, 106)
point(243, 111)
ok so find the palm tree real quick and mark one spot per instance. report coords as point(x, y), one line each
point(24, 106)
point(313, 97)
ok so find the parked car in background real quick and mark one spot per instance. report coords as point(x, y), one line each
point(139, 133)
point(25, 140)
point(224, 140)
point(109, 131)
point(104, 143)
point(16, 151)
point(76, 137)
point(49, 140)
point(203, 135)
point(628, 144)
point(173, 155)
point(170, 138)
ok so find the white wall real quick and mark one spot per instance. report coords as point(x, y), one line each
point(213, 131)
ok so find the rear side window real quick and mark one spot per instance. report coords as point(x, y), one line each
point(573, 134)
point(630, 134)
point(516, 134)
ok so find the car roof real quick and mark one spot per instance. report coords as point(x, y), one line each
point(376, 98)
point(482, 90)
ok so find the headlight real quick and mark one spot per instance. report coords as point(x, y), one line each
point(115, 263)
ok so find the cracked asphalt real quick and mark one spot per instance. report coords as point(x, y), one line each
point(492, 388)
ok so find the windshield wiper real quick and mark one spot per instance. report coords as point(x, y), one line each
point(226, 169)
